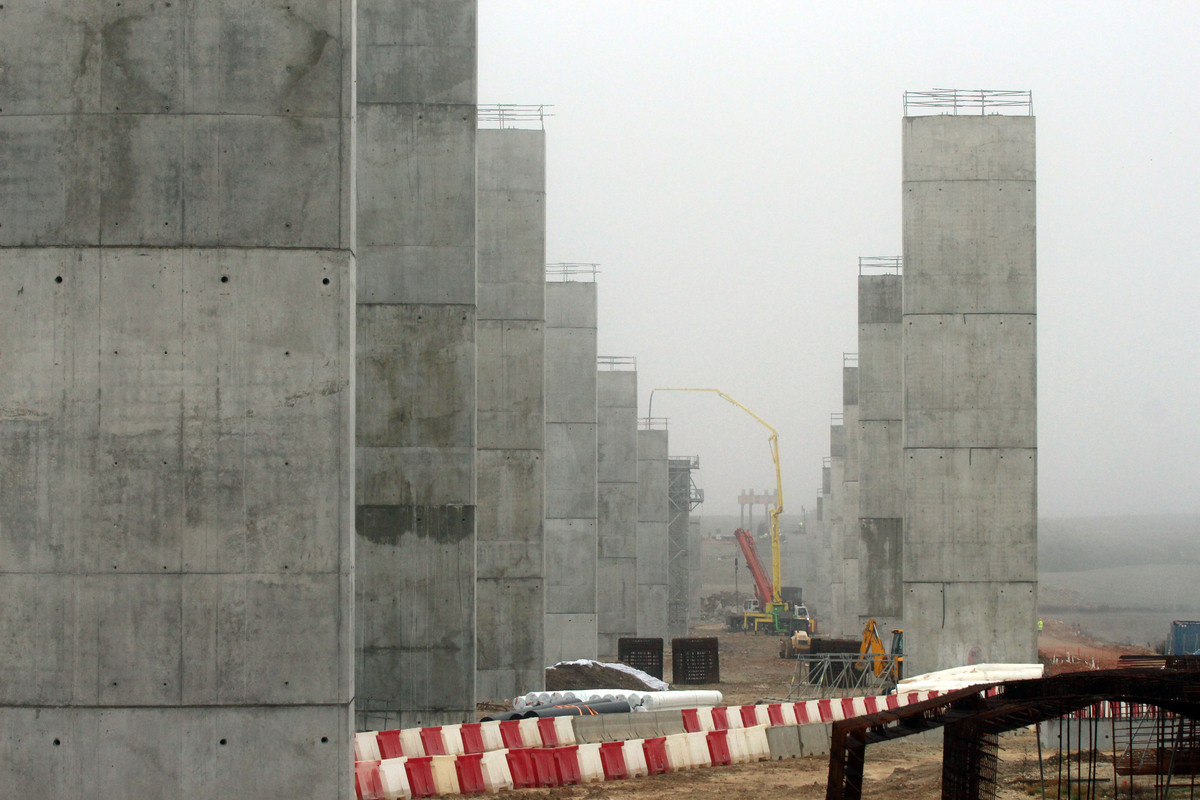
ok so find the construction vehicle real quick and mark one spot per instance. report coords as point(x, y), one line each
point(872, 654)
point(768, 612)
point(772, 614)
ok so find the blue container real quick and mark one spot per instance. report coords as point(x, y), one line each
point(1184, 639)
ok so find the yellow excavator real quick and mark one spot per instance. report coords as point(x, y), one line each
point(880, 661)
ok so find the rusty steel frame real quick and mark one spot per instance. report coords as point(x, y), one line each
point(971, 721)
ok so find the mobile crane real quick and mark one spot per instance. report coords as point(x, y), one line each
point(772, 613)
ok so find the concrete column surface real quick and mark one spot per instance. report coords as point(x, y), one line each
point(572, 546)
point(880, 448)
point(970, 397)
point(617, 510)
point(416, 361)
point(652, 534)
point(679, 559)
point(177, 277)
point(510, 334)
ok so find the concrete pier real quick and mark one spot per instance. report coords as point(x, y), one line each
point(510, 332)
point(836, 615)
point(572, 548)
point(881, 457)
point(970, 413)
point(679, 557)
point(415, 450)
point(177, 350)
point(653, 529)
point(852, 603)
point(617, 509)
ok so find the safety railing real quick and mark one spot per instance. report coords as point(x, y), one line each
point(617, 363)
point(652, 423)
point(849, 359)
point(507, 116)
point(572, 271)
point(837, 418)
point(841, 675)
point(880, 265)
point(967, 101)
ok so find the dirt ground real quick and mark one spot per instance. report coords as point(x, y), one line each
point(906, 769)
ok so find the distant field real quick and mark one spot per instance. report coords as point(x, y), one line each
point(1130, 605)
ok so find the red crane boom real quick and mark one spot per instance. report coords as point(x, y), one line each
point(762, 584)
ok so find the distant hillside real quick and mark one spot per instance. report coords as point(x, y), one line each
point(1080, 544)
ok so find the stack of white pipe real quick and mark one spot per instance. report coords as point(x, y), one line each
point(639, 701)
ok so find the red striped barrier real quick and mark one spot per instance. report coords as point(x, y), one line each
point(510, 734)
point(367, 785)
point(389, 744)
point(775, 713)
point(545, 770)
point(469, 768)
point(520, 767)
point(420, 776)
point(612, 759)
point(548, 731)
point(431, 741)
point(691, 720)
point(566, 764)
point(749, 716)
point(720, 718)
point(472, 738)
point(656, 755)
point(718, 747)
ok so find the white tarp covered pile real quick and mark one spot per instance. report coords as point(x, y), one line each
point(948, 680)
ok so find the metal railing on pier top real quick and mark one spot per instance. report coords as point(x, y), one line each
point(507, 116)
point(566, 271)
point(652, 423)
point(880, 265)
point(968, 101)
point(617, 363)
point(849, 359)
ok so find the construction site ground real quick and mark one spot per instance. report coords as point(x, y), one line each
point(752, 671)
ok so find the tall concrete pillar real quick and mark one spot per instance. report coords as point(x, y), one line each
point(850, 548)
point(176, 345)
point(679, 559)
point(653, 560)
point(970, 411)
point(415, 449)
point(821, 598)
point(572, 548)
point(617, 509)
point(510, 601)
point(880, 458)
point(836, 616)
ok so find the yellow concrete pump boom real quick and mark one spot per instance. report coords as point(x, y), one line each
point(773, 442)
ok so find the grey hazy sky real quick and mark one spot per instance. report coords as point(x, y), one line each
point(728, 162)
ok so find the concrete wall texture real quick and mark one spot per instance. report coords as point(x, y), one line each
point(617, 509)
point(970, 410)
point(510, 336)
point(652, 534)
point(880, 443)
point(836, 615)
point(852, 592)
point(679, 561)
point(572, 547)
point(176, 505)
point(416, 362)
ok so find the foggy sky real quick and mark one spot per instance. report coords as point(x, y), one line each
point(728, 162)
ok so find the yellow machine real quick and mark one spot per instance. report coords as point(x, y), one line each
point(872, 651)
